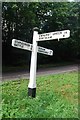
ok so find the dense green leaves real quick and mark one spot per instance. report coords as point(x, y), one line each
point(19, 18)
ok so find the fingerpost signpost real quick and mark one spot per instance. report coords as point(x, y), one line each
point(34, 48)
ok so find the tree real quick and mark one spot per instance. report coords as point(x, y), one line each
point(20, 18)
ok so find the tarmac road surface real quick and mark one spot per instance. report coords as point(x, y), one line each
point(40, 72)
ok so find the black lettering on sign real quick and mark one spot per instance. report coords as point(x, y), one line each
point(60, 32)
point(50, 52)
point(19, 43)
point(63, 35)
point(57, 33)
point(15, 44)
point(41, 49)
point(54, 33)
point(65, 32)
point(47, 34)
point(31, 47)
point(50, 36)
point(42, 38)
point(45, 37)
point(26, 44)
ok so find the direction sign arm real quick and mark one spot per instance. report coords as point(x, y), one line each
point(54, 35)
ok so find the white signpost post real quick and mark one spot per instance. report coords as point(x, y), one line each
point(34, 48)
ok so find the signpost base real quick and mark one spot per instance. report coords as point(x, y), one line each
point(32, 92)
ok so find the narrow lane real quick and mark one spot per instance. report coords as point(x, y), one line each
point(40, 72)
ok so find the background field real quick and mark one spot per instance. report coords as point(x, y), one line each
point(57, 97)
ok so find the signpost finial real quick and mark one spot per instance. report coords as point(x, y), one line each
point(35, 29)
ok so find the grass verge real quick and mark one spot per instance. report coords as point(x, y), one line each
point(57, 97)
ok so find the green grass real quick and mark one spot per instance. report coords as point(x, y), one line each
point(56, 97)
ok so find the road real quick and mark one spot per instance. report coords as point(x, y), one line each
point(40, 72)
